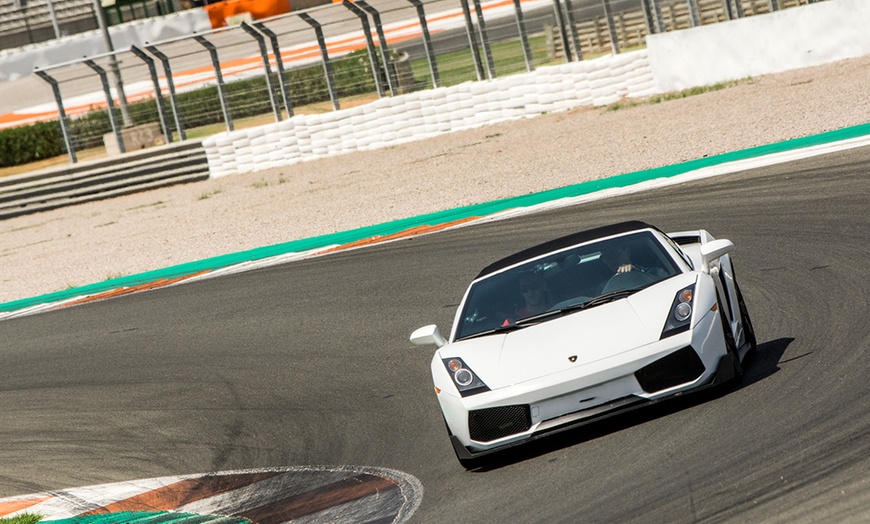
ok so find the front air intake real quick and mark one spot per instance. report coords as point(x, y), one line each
point(679, 367)
point(494, 423)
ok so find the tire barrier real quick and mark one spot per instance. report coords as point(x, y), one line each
point(424, 114)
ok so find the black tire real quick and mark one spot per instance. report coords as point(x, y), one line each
point(467, 463)
point(746, 321)
point(731, 347)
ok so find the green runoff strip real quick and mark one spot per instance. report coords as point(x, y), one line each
point(157, 517)
point(437, 218)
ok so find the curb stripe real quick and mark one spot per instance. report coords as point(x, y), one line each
point(163, 282)
point(17, 505)
point(183, 492)
point(442, 219)
point(341, 492)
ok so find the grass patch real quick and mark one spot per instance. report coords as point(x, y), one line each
point(26, 518)
point(208, 194)
point(674, 95)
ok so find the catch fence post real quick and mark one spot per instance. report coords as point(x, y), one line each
point(484, 39)
point(264, 54)
point(563, 33)
point(472, 40)
point(170, 87)
point(611, 27)
point(524, 37)
point(279, 66)
point(370, 44)
point(327, 67)
point(219, 78)
point(392, 81)
point(113, 118)
point(64, 123)
point(158, 95)
point(427, 42)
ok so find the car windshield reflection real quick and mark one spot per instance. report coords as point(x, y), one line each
point(563, 282)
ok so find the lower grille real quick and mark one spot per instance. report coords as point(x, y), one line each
point(679, 367)
point(494, 423)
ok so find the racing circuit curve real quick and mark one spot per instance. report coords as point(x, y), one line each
point(308, 363)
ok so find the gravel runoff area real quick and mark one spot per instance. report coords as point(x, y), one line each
point(88, 243)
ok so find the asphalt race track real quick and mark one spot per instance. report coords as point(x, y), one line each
point(309, 364)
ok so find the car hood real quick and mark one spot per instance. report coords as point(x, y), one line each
point(590, 335)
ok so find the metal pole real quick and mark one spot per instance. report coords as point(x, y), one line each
point(53, 17)
point(560, 20)
point(113, 64)
point(694, 13)
point(657, 16)
point(472, 40)
point(170, 86)
point(158, 95)
point(64, 124)
point(773, 4)
point(726, 6)
point(524, 37)
point(279, 65)
point(219, 77)
point(427, 42)
point(611, 27)
point(392, 81)
point(484, 39)
point(648, 17)
point(264, 54)
point(327, 67)
point(370, 44)
point(572, 28)
point(104, 79)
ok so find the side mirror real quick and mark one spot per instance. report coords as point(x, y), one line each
point(428, 335)
point(712, 251)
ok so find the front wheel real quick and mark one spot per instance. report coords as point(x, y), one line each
point(731, 347)
point(745, 321)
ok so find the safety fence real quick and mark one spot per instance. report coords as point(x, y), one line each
point(344, 55)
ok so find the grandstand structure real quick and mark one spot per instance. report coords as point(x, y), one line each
point(24, 22)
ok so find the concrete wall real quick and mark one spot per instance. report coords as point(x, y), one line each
point(790, 39)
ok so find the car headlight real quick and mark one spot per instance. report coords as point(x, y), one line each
point(680, 315)
point(465, 380)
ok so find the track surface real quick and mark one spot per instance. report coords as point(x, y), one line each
point(309, 363)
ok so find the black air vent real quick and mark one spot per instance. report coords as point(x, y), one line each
point(679, 367)
point(495, 423)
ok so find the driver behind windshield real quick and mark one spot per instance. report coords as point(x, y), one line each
point(533, 288)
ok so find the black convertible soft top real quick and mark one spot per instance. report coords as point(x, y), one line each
point(563, 242)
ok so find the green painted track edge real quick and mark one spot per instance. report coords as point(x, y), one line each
point(149, 517)
point(437, 218)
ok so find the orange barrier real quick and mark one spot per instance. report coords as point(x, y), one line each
point(220, 12)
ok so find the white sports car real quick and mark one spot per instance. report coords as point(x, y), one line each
point(586, 326)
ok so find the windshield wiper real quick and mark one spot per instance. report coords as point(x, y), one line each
point(513, 326)
point(541, 317)
point(603, 299)
point(592, 302)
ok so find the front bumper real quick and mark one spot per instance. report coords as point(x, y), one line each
point(724, 373)
point(498, 420)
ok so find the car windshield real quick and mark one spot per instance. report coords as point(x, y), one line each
point(562, 282)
